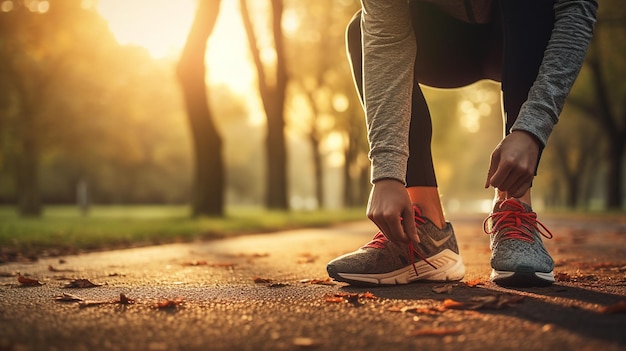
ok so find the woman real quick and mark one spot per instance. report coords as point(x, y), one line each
point(535, 48)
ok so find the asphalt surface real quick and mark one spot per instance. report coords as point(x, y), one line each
point(259, 292)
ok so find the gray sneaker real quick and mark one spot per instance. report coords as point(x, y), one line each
point(382, 262)
point(518, 257)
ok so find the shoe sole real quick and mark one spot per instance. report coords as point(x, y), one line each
point(522, 277)
point(450, 265)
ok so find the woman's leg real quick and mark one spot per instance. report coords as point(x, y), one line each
point(524, 44)
point(450, 54)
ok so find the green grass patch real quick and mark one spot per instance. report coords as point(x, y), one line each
point(63, 229)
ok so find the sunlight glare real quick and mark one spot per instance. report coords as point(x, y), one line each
point(160, 26)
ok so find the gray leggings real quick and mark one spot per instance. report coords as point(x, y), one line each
point(452, 54)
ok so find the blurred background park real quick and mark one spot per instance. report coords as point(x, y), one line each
point(188, 113)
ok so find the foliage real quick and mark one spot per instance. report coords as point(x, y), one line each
point(63, 229)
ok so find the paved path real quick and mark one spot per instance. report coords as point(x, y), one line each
point(217, 305)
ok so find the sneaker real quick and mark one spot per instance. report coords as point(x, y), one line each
point(518, 257)
point(382, 262)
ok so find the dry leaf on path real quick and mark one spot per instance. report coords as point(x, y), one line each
point(474, 283)
point(305, 342)
point(125, 300)
point(618, 307)
point(81, 284)
point(417, 309)
point(68, 298)
point(496, 302)
point(259, 280)
point(169, 303)
point(443, 289)
point(28, 281)
point(223, 264)
point(435, 332)
point(352, 298)
point(52, 269)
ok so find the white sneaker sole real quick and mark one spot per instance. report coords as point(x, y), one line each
point(450, 268)
point(521, 278)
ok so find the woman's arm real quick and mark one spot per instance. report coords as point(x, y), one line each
point(389, 51)
point(563, 59)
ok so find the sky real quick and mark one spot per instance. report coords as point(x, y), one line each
point(161, 26)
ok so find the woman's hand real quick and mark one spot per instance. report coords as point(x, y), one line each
point(390, 208)
point(513, 164)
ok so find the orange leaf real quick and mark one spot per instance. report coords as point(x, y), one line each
point(27, 281)
point(452, 304)
point(81, 284)
point(368, 295)
point(619, 307)
point(434, 332)
point(259, 280)
point(168, 303)
point(223, 264)
point(52, 269)
point(474, 283)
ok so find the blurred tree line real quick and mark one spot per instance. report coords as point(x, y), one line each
point(78, 108)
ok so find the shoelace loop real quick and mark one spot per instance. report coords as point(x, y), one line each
point(520, 223)
point(380, 240)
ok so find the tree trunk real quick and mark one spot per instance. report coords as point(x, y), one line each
point(273, 98)
point(615, 178)
point(27, 176)
point(208, 194)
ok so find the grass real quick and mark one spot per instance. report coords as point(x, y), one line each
point(63, 229)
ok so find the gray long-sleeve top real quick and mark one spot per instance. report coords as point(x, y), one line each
point(389, 50)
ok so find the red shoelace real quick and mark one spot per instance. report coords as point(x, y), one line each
point(519, 222)
point(380, 241)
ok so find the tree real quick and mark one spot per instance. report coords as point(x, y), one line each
point(208, 196)
point(272, 88)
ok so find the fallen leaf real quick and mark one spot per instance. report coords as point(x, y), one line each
point(618, 307)
point(304, 342)
point(169, 303)
point(474, 283)
point(417, 309)
point(68, 298)
point(368, 295)
point(27, 281)
point(352, 298)
point(125, 300)
point(562, 277)
point(223, 264)
point(81, 284)
point(434, 332)
point(452, 304)
point(259, 280)
point(443, 289)
point(52, 269)
point(484, 302)
point(278, 285)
